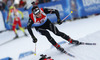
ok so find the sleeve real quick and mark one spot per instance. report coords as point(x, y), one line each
point(30, 22)
point(52, 11)
point(21, 13)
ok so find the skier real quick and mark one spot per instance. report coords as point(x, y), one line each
point(13, 12)
point(39, 20)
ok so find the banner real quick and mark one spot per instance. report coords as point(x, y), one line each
point(88, 7)
point(91, 6)
point(73, 6)
point(80, 8)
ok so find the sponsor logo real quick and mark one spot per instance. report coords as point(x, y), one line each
point(90, 2)
point(58, 7)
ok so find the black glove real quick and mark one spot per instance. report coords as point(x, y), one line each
point(22, 19)
point(34, 39)
point(59, 21)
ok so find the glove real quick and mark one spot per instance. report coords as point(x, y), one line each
point(34, 39)
point(59, 21)
point(22, 19)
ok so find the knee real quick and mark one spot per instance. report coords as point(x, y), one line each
point(58, 33)
point(45, 33)
point(13, 27)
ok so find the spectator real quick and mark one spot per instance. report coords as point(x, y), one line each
point(37, 2)
point(55, 0)
point(10, 3)
point(5, 2)
point(22, 3)
point(28, 3)
point(2, 6)
point(46, 1)
point(43, 1)
point(34, 4)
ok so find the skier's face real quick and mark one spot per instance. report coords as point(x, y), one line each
point(38, 15)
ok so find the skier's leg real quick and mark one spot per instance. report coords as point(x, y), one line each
point(50, 39)
point(14, 29)
point(63, 35)
point(48, 36)
point(20, 27)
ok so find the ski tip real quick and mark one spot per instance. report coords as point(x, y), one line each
point(70, 55)
point(73, 56)
point(94, 43)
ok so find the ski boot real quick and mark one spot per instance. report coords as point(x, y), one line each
point(25, 34)
point(76, 42)
point(16, 36)
point(61, 49)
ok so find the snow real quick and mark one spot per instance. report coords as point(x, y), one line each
point(86, 30)
point(2, 27)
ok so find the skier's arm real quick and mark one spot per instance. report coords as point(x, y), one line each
point(21, 13)
point(52, 11)
point(30, 22)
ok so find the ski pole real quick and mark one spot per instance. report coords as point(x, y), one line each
point(67, 16)
point(11, 24)
point(35, 49)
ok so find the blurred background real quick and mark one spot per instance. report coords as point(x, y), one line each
point(82, 9)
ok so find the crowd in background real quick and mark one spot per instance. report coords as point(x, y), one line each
point(5, 4)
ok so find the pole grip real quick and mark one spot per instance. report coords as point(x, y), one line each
point(67, 16)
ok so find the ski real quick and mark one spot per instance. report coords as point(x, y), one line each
point(10, 40)
point(83, 43)
point(69, 54)
point(63, 51)
point(6, 42)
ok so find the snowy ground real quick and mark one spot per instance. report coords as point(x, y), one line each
point(81, 52)
point(87, 30)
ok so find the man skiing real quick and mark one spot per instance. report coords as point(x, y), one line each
point(13, 12)
point(39, 20)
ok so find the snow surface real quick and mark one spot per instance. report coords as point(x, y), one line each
point(86, 30)
point(2, 27)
